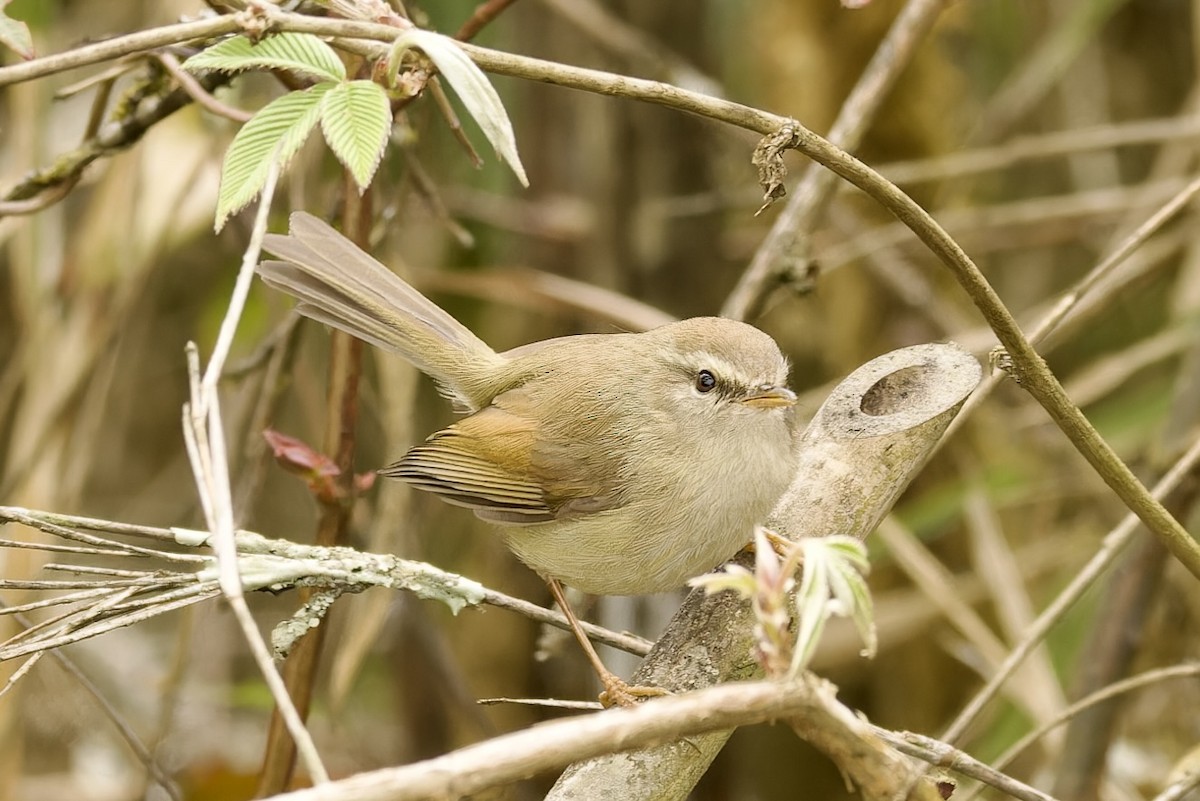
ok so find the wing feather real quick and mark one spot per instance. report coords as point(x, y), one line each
point(497, 463)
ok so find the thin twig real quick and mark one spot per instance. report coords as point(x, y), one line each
point(1027, 148)
point(1114, 543)
point(115, 717)
point(70, 598)
point(196, 591)
point(114, 548)
point(197, 92)
point(786, 246)
point(452, 122)
point(483, 14)
point(71, 620)
point(21, 672)
point(109, 49)
point(1187, 670)
point(53, 548)
point(545, 703)
point(201, 593)
point(626, 642)
point(100, 571)
point(61, 524)
point(54, 584)
point(941, 755)
point(1124, 249)
point(204, 435)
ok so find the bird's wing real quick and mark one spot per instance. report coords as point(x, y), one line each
point(497, 463)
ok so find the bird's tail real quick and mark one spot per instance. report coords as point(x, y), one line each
point(342, 286)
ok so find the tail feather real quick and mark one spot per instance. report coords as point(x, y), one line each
point(324, 304)
point(340, 285)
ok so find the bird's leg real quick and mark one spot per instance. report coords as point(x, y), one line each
point(616, 690)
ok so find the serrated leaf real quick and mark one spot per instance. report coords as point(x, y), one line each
point(857, 597)
point(300, 53)
point(356, 119)
point(832, 584)
point(276, 132)
point(15, 35)
point(473, 88)
point(850, 549)
point(812, 606)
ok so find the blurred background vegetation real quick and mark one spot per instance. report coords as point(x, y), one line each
point(1089, 109)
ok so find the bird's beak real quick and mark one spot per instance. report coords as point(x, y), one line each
point(769, 397)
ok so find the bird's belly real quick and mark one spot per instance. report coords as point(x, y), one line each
point(605, 555)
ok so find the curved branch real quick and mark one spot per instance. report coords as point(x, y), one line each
point(1030, 369)
point(503, 760)
point(118, 46)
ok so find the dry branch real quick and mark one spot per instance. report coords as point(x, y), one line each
point(265, 564)
point(503, 760)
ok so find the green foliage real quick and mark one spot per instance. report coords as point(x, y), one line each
point(15, 34)
point(274, 134)
point(297, 53)
point(473, 88)
point(833, 584)
point(356, 118)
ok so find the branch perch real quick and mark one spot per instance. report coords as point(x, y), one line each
point(503, 760)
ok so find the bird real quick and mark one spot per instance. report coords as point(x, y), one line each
point(618, 464)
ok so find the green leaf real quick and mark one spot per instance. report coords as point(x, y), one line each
point(473, 88)
point(356, 119)
point(275, 133)
point(14, 34)
point(300, 53)
point(812, 606)
point(833, 584)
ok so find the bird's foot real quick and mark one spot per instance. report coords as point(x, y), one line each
point(618, 692)
point(780, 544)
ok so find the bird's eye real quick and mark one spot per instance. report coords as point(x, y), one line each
point(705, 381)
